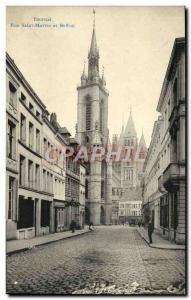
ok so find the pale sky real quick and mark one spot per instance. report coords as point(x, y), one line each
point(135, 44)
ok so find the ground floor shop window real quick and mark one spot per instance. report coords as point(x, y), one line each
point(45, 213)
point(164, 211)
point(26, 213)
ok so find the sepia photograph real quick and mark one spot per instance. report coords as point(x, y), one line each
point(96, 150)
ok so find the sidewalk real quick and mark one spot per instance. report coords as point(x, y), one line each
point(14, 246)
point(158, 241)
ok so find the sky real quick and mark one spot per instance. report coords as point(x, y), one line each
point(134, 43)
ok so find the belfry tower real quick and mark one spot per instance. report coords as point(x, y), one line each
point(92, 129)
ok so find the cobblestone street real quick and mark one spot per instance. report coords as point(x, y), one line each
point(114, 255)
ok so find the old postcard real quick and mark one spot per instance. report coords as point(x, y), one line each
point(95, 150)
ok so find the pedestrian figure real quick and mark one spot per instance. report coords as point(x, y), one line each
point(91, 226)
point(139, 224)
point(150, 231)
point(73, 226)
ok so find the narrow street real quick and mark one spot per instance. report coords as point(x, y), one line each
point(112, 255)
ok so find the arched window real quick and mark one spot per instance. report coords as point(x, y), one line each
point(88, 113)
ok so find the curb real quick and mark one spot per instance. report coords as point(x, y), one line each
point(44, 243)
point(158, 247)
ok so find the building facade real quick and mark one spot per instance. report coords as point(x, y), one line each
point(12, 163)
point(92, 131)
point(127, 172)
point(36, 169)
point(75, 187)
point(130, 212)
point(169, 206)
point(152, 171)
point(54, 172)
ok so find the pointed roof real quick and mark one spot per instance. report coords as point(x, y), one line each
point(83, 76)
point(130, 127)
point(142, 142)
point(121, 135)
point(93, 46)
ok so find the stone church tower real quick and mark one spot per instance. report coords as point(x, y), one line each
point(129, 173)
point(92, 130)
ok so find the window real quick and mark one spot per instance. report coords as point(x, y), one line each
point(168, 108)
point(37, 177)
point(51, 183)
point(31, 107)
point(44, 147)
point(56, 186)
point(44, 180)
point(175, 92)
point(11, 140)
point(56, 153)
point(48, 182)
point(23, 128)
point(164, 212)
point(165, 119)
point(26, 213)
point(13, 95)
point(88, 114)
point(37, 140)
point(22, 170)
point(37, 114)
point(30, 174)
point(102, 189)
point(45, 213)
point(11, 195)
point(101, 115)
point(173, 212)
point(23, 98)
point(31, 135)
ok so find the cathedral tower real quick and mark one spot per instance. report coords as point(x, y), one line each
point(92, 129)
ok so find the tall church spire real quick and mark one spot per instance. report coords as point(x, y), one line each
point(93, 56)
point(142, 142)
point(130, 127)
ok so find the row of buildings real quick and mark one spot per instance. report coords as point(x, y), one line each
point(164, 190)
point(45, 191)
